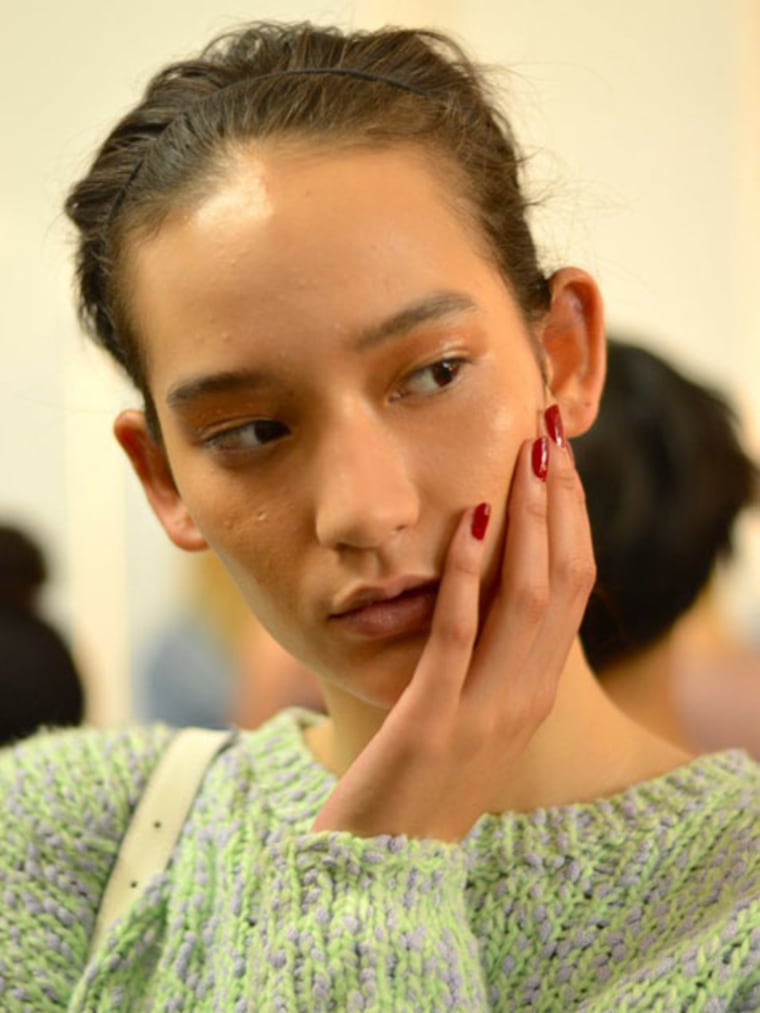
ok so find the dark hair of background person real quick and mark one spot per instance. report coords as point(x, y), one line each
point(666, 477)
point(39, 682)
point(294, 84)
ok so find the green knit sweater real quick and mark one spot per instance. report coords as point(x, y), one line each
point(646, 901)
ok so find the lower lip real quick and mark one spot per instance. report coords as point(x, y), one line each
point(407, 615)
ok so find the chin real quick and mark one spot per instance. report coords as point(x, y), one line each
point(380, 676)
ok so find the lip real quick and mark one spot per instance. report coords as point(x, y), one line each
point(371, 594)
point(401, 608)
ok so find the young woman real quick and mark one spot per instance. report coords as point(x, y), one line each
point(310, 252)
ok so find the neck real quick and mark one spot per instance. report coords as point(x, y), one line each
point(643, 686)
point(585, 749)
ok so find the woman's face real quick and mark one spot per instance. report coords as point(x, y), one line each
point(339, 371)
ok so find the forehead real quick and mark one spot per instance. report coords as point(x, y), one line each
point(311, 241)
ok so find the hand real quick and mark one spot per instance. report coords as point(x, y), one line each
point(449, 743)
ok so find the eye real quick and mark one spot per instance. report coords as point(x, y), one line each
point(432, 378)
point(254, 434)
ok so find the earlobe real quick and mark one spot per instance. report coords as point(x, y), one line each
point(152, 468)
point(572, 335)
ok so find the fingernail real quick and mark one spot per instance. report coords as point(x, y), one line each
point(540, 457)
point(554, 425)
point(480, 518)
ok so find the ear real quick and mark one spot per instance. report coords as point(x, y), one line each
point(152, 467)
point(572, 336)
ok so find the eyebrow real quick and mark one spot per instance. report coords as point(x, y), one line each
point(185, 394)
point(429, 309)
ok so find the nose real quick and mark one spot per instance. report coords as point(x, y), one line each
point(364, 491)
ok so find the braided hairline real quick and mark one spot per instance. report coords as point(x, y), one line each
point(105, 232)
point(245, 83)
point(450, 84)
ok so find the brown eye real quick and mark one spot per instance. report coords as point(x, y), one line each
point(256, 433)
point(444, 372)
point(432, 378)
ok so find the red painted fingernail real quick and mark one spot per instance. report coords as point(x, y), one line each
point(554, 425)
point(480, 518)
point(540, 457)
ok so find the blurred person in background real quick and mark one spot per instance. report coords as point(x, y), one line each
point(213, 664)
point(39, 682)
point(666, 478)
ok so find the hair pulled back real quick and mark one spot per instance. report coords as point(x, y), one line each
point(172, 148)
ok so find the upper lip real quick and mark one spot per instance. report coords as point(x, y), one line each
point(366, 595)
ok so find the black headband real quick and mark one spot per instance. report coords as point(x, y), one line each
point(362, 75)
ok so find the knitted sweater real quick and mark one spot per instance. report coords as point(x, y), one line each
point(646, 901)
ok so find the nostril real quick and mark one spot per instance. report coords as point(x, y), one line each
point(363, 525)
point(364, 493)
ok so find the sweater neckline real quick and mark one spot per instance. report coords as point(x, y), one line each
point(296, 786)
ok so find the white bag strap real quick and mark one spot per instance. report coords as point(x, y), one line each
point(157, 821)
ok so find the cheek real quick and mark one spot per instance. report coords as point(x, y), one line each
point(481, 449)
point(505, 430)
point(262, 564)
point(488, 471)
point(243, 526)
point(253, 548)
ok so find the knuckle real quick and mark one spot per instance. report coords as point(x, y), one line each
point(531, 601)
point(458, 634)
point(536, 508)
point(540, 704)
point(543, 705)
point(464, 563)
point(567, 480)
point(578, 574)
point(581, 493)
point(527, 711)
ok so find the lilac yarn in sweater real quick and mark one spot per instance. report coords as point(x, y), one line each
point(649, 900)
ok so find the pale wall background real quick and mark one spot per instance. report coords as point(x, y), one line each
point(643, 118)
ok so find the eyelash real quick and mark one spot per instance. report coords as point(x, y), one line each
point(451, 362)
point(223, 441)
point(230, 441)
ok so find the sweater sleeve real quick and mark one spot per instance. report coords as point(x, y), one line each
point(376, 924)
point(66, 799)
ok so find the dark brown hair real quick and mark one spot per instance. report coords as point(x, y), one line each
point(23, 569)
point(259, 82)
point(663, 509)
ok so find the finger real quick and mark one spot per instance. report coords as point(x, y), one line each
point(445, 661)
point(517, 610)
point(571, 566)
